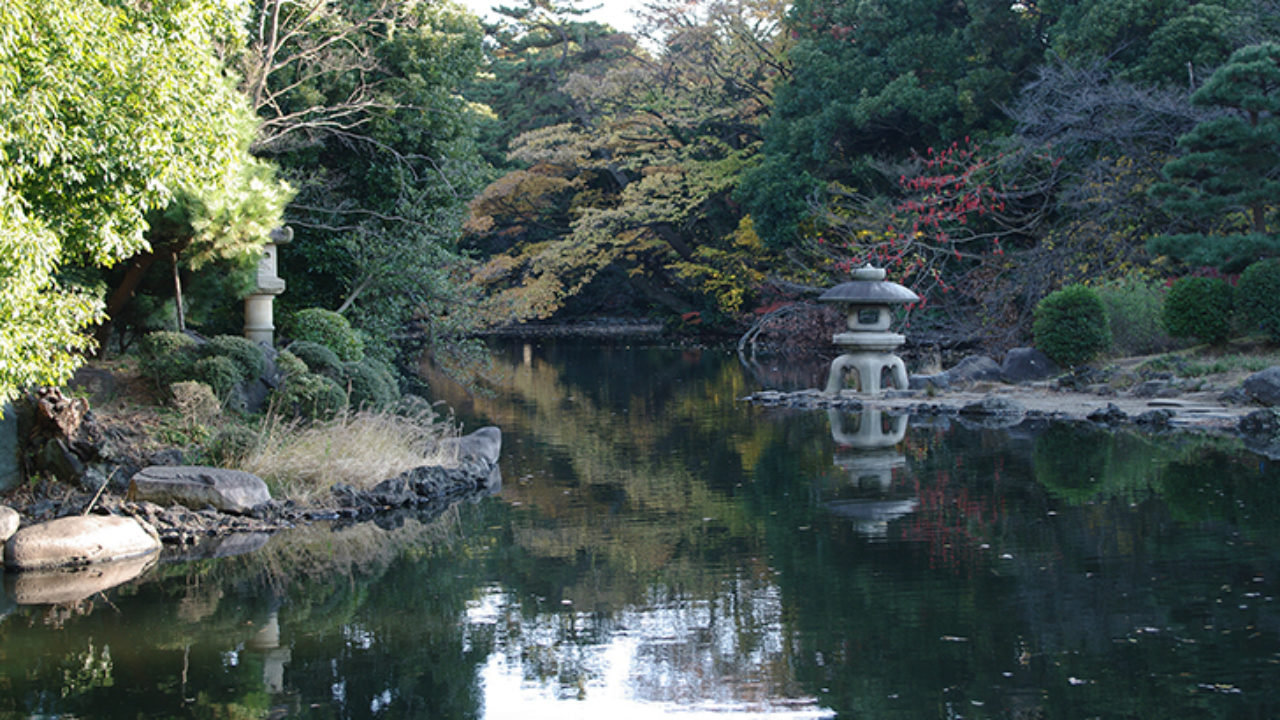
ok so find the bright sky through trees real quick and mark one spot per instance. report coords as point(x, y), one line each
point(613, 12)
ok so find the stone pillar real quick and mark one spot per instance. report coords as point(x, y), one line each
point(259, 324)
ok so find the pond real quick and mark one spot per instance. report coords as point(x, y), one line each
point(660, 548)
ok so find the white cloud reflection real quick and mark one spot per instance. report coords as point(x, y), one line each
point(724, 658)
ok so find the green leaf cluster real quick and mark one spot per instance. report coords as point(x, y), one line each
point(106, 114)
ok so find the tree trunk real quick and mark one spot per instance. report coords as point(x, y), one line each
point(177, 293)
point(120, 297)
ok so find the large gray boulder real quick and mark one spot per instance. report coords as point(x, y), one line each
point(197, 486)
point(973, 369)
point(79, 540)
point(484, 445)
point(1264, 387)
point(9, 522)
point(1027, 365)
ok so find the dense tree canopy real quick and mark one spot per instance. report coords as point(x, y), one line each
point(1228, 177)
point(108, 112)
point(361, 110)
point(727, 159)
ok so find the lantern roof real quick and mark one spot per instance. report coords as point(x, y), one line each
point(869, 287)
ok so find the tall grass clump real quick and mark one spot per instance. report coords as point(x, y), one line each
point(1134, 312)
point(360, 449)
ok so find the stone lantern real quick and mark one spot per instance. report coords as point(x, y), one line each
point(258, 318)
point(867, 302)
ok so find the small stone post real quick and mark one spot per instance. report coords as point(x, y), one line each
point(258, 316)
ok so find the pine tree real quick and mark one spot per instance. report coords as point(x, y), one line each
point(1229, 177)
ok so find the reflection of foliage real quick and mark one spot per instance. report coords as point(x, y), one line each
point(85, 670)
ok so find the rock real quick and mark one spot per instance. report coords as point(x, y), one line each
point(1234, 396)
point(79, 540)
point(1264, 387)
point(992, 412)
point(937, 381)
point(67, 585)
point(98, 384)
point(9, 521)
point(169, 457)
point(484, 444)
point(196, 486)
point(974, 368)
point(1027, 365)
point(58, 459)
point(93, 479)
point(992, 405)
point(1260, 423)
point(1110, 415)
point(10, 468)
point(1156, 389)
point(1159, 418)
point(254, 395)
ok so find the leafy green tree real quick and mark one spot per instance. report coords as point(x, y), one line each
point(880, 78)
point(1159, 42)
point(645, 178)
point(361, 109)
point(536, 45)
point(107, 111)
point(1228, 178)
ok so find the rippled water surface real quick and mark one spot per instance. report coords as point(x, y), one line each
point(661, 549)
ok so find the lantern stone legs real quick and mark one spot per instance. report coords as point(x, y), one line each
point(259, 325)
point(258, 318)
point(869, 366)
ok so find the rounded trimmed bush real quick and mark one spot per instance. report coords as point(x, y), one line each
point(330, 330)
point(1199, 307)
point(231, 444)
point(317, 358)
point(218, 372)
point(1258, 296)
point(1071, 325)
point(312, 396)
point(243, 352)
point(371, 384)
point(167, 357)
point(289, 364)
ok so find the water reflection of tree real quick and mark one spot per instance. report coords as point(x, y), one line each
point(372, 612)
point(1024, 581)
point(627, 506)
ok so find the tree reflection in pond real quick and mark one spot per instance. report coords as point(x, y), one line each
point(661, 546)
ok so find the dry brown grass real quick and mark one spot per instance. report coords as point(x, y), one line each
point(361, 449)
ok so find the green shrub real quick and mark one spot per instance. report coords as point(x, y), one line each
point(243, 352)
point(312, 396)
point(329, 329)
point(1134, 308)
point(167, 357)
point(1258, 296)
point(218, 372)
point(372, 385)
point(1071, 325)
point(318, 358)
point(230, 445)
point(1199, 307)
point(195, 402)
point(289, 364)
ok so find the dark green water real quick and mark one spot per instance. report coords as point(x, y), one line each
point(661, 549)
